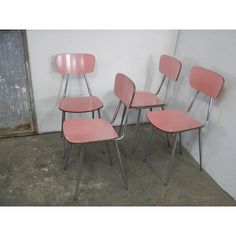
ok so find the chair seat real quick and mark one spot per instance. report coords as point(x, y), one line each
point(88, 130)
point(146, 100)
point(81, 104)
point(172, 121)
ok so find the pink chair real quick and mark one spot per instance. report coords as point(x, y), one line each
point(85, 131)
point(170, 67)
point(177, 122)
point(77, 64)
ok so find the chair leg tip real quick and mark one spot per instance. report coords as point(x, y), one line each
point(167, 182)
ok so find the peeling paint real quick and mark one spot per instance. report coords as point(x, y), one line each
point(14, 106)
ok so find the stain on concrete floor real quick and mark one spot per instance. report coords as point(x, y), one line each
point(31, 174)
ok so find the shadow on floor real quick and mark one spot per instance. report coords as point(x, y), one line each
point(31, 173)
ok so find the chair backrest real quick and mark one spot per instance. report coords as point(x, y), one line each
point(124, 89)
point(206, 81)
point(170, 67)
point(75, 63)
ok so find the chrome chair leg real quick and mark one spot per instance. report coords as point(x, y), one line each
point(167, 136)
point(99, 114)
point(168, 140)
point(150, 139)
point(64, 148)
point(200, 148)
point(63, 116)
point(109, 153)
point(67, 156)
point(180, 144)
point(171, 160)
point(82, 150)
point(121, 166)
point(136, 132)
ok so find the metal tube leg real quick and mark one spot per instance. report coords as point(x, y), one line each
point(137, 129)
point(99, 114)
point(200, 148)
point(121, 166)
point(180, 143)
point(67, 156)
point(171, 160)
point(62, 121)
point(107, 145)
point(150, 139)
point(64, 148)
point(168, 140)
point(122, 120)
point(92, 114)
point(109, 153)
point(167, 136)
point(79, 170)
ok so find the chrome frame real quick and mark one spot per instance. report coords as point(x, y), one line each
point(172, 154)
point(200, 148)
point(87, 84)
point(66, 77)
point(208, 111)
point(162, 82)
point(180, 144)
point(199, 137)
point(137, 130)
point(193, 101)
point(121, 134)
point(124, 120)
point(139, 115)
point(79, 172)
point(178, 134)
point(67, 155)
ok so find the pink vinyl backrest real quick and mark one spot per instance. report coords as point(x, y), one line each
point(75, 63)
point(206, 81)
point(124, 89)
point(170, 67)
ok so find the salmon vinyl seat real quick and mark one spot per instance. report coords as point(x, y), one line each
point(146, 100)
point(79, 131)
point(81, 104)
point(172, 121)
point(170, 68)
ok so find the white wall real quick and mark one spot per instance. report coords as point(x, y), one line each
point(134, 53)
point(215, 50)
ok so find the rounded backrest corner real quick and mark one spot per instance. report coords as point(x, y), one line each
point(170, 67)
point(124, 89)
point(206, 81)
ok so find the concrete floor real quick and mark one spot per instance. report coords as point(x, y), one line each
point(31, 173)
